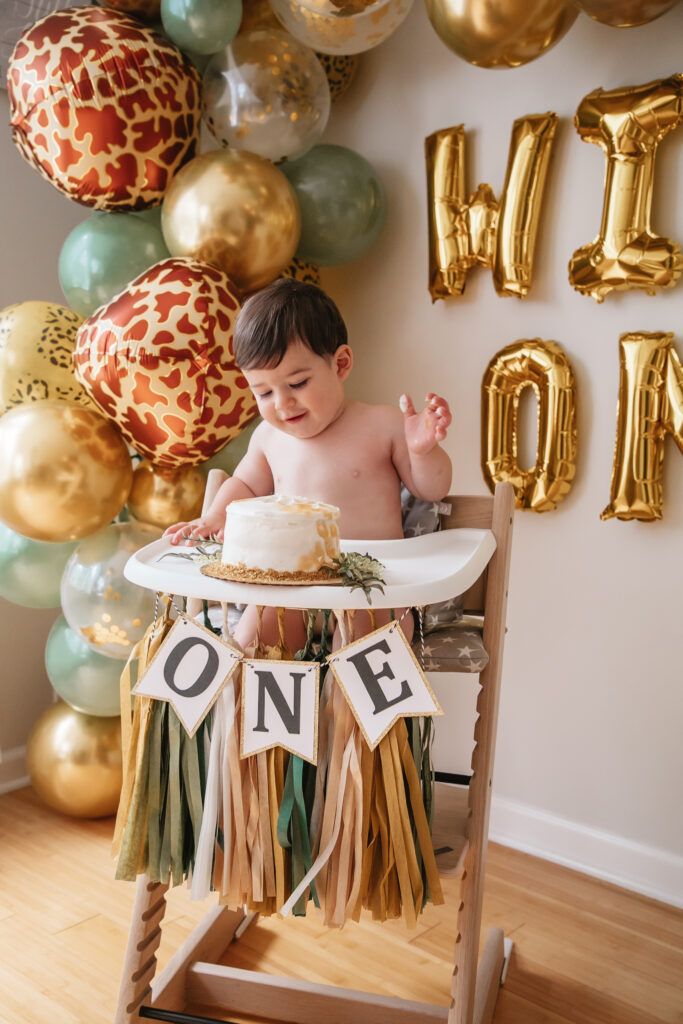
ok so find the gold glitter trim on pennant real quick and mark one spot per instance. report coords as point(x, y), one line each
point(242, 574)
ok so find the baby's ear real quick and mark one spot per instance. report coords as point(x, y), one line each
point(343, 361)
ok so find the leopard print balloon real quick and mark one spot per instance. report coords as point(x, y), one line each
point(103, 107)
point(340, 69)
point(36, 350)
point(158, 361)
point(299, 270)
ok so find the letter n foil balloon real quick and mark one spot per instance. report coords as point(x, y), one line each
point(650, 406)
point(158, 361)
point(502, 236)
point(544, 367)
point(103, 107)
point(628, 124)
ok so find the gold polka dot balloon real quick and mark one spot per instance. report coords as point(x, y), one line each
point(98, 602)
point(103, 107)
point(341, 26)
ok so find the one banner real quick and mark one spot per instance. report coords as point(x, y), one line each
point(382, 681)
point(280, 707)
point(189, 671)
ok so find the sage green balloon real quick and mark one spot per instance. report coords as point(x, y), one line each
point(342, 202)
point(201, 26)
point(31, 570)
point(87, 681)
point(103, 254)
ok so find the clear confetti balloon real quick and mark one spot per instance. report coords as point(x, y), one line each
point(341, 26)
point(266, 93)
point(99, 604)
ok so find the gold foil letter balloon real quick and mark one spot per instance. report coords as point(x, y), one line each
point(103, 107)
point(36, 349)
point(331, 26)
point(501, 235)
point(650, 406)
point(234, 210)
point(268, 93)
point(157, 360)
point(98, 602)
point(64, 473)
point(628, 124)
point(543, 366)
point(75, 763)
point(500, 34)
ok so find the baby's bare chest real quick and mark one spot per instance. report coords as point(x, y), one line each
point(335, 473)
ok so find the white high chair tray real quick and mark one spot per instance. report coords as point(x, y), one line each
point(418, 571)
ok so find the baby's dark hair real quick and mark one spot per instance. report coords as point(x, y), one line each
point(284, 312)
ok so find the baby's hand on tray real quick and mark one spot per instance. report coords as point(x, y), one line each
point(198, 529)
point(425, 429)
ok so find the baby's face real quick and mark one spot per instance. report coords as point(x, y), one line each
point(304, 393)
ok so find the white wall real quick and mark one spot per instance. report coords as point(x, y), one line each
point(590, 759)
point(589, 754)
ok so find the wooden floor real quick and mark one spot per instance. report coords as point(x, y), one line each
point(584, 951)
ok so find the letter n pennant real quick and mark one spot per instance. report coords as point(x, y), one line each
point(280, 707)
point(382, 681)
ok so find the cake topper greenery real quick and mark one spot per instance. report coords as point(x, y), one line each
point(355, 570)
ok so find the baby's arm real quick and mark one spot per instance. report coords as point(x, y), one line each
point(422, 464)
point(251, 478)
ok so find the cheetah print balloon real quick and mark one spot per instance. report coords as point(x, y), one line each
point(36, 350)
point(103, 107)
point(299, 270)
point(158, 361)
point(340, 69)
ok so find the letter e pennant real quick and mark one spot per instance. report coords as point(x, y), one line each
point(382, 681)
point(280, 707)
point(189, 671)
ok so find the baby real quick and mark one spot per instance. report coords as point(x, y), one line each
point(291, 345)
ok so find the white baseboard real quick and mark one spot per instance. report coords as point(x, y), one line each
point(631, 865)
point(13, 773)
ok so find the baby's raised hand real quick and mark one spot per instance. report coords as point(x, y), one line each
point(197, 529)
point(425, 429)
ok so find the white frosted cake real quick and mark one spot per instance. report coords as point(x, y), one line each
point(280, 539)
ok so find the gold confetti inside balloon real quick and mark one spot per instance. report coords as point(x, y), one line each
point(162, 497)
point(266, 92)
point(103, 107)
point(234, 210)
point(625, 13)
point(36, 350)
point(158, 361)
point(64, 472)
point(504, 34)
point(74, 761)
point(98, 602)
point(331, 26)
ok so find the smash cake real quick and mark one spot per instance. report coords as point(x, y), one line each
point(279, 539)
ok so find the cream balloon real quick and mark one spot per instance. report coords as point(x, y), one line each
point(504, 34)
point(65, 471)
point(236, 211)
point(74, 762)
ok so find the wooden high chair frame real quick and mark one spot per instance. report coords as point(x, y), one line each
point(192, 976)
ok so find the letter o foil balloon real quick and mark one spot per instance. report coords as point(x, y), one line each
point(36, 351)
point(625, 13)
point(234, 210)
point(503, 34)
point(543, 366)
point(267, 93)
point(99, 603)
point(103, 107)
point(158, 361)
point(333, 27)
point(75, 762)
point(64, 473)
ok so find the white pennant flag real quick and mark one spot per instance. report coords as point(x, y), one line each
point(280, 707)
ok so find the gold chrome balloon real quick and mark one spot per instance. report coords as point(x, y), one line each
point(481, 230)
point(257, 14)
point(625, 13)
point(36, 349)
point(543, 366)
point(166, 496)
point(628, 124)
point(500, 34)
point(650, 406)
point(236, 211)
point(148, 10)
point(64, 473)
point(74, 761)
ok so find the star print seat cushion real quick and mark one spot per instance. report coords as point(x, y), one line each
point(455, 648)
point(425, 517)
